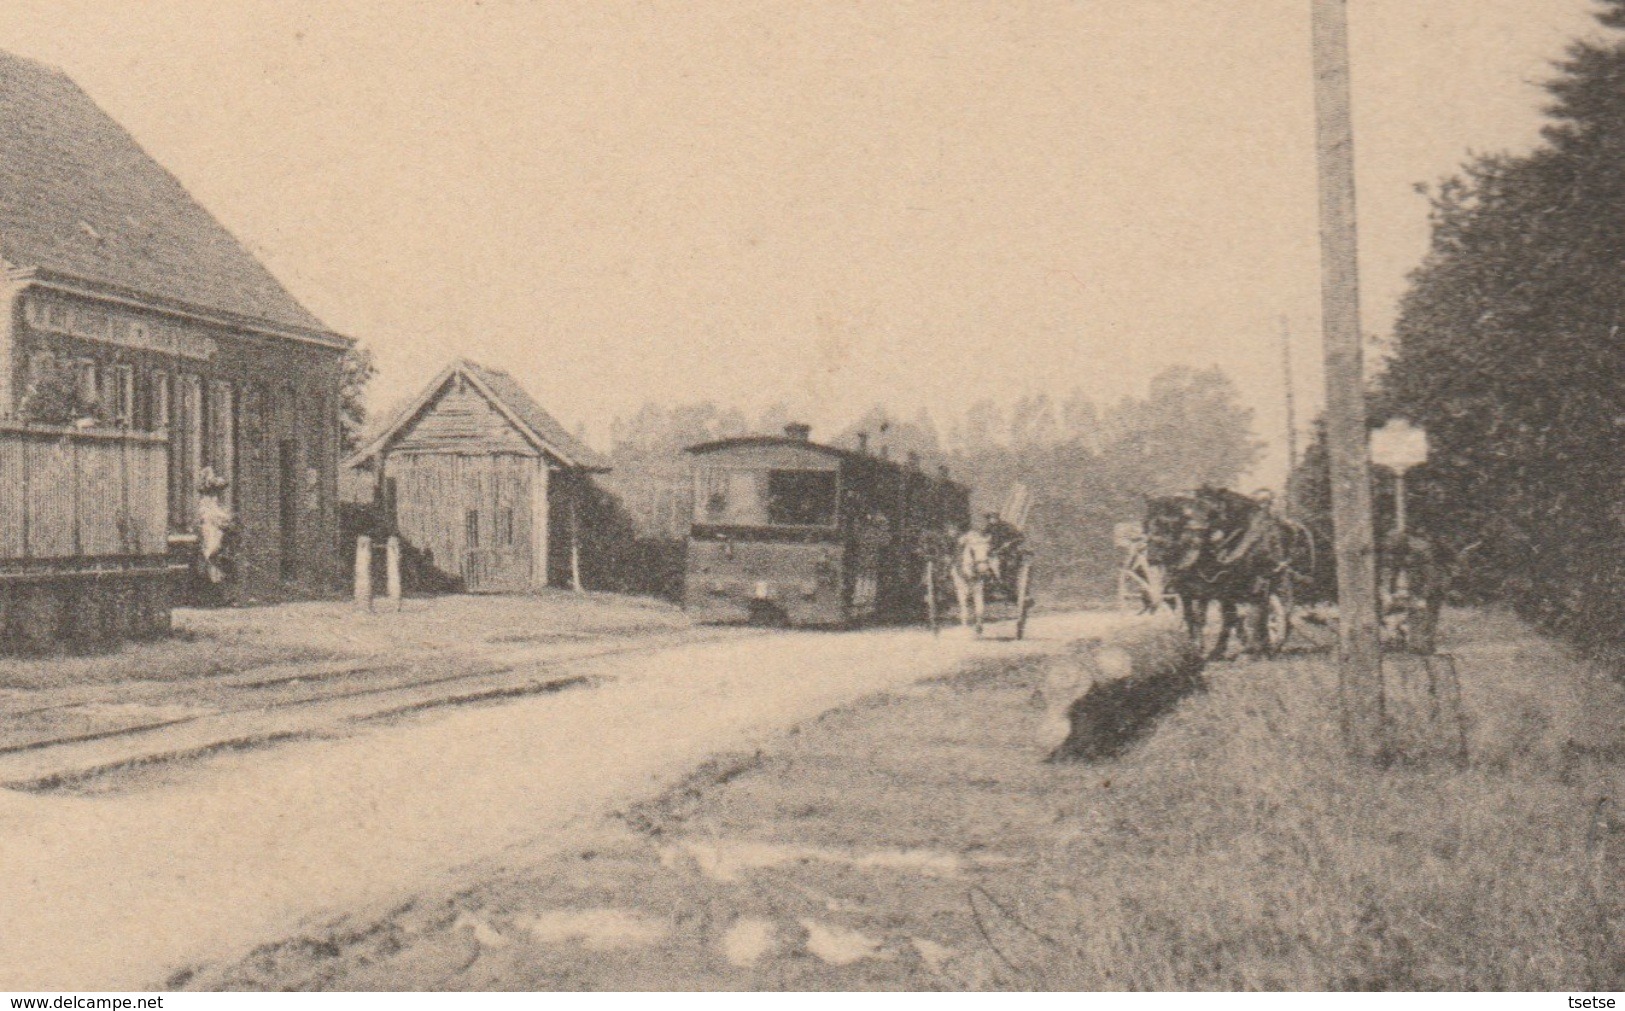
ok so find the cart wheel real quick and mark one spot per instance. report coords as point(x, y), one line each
point(1024, 600)
point(1278, 622)
point(931, 612)
point(1161, 596)
point(1132, 592)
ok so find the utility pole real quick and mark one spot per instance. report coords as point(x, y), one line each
point(1291, 415)
point(1359, 647)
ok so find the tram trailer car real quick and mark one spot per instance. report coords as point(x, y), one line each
point(790, 531)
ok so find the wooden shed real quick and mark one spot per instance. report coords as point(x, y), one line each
point(479, 481)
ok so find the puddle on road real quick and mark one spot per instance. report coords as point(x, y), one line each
point(934, 955)
point(840, 946)
point(726, 860)
point(748, 940)
point(752, 938)
point(600, 929)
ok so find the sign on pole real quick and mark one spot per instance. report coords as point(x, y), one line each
point(1399, 446)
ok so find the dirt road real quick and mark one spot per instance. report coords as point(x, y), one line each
point(117, 890)
point(913, 839)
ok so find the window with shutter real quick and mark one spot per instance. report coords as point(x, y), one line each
point(161, 417)
point(220, 452)
point(117, 395)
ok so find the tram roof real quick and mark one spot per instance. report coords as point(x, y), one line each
point(792, 442)
point(752, 441)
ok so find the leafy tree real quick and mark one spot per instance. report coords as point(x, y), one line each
point(651, 474)
point(1090, 470)
point(892, 437)
point(657, 430)
point(356, 371)
point(1190, 430)
point(1032, 421)
point(1509, 351)
point(1080, 420)
point(984, 426)
point(773, 419)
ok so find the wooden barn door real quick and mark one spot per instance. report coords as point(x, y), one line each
point(496, 524)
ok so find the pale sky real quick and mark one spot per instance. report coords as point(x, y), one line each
point(827, 203)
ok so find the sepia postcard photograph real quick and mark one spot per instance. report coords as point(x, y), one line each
point(811, 495)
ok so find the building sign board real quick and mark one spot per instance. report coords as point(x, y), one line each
point(114, 326)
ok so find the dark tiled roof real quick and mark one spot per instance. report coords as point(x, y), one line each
point(543, 425)
point(79, 197)
point(539, 427)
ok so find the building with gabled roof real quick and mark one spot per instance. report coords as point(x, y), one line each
point(480, 481)
point(112, 272)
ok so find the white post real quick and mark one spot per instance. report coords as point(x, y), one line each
point(575, 540)
point(538, 525)
point(1399, 502)
point(392, 571)
point(363, 572)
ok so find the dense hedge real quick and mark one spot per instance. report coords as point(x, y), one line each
point(1509, 350)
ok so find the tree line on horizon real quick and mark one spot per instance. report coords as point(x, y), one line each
point(1088, 466)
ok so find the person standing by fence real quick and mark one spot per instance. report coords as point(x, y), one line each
point(215, 528)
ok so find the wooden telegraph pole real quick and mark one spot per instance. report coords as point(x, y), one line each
point(1360, 659)
point(1289, 487)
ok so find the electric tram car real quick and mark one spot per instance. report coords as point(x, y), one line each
point(789, 531)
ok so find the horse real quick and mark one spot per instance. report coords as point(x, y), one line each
point(1217, 544)
point(974, 566)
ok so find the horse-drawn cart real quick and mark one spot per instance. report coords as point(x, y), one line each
point(987, 571)
point(1141, 587)
point(1215, 545)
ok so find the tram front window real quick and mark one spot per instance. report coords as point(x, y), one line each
point(801, 498)
point(754, 498)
